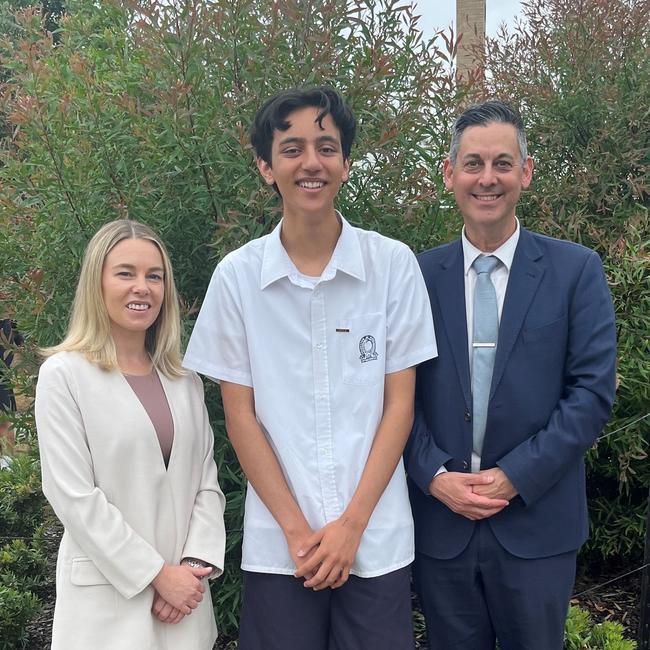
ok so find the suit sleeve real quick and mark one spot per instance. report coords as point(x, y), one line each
point(422, 457)
point(125, 559)
point(206, 538)
point(581, 413)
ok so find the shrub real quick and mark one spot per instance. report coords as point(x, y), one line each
point(21, 499)
point(22, 566)
point(581, 634)
point(17, 608)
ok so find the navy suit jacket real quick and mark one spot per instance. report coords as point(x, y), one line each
point(552, 391)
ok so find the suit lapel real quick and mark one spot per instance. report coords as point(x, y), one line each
point(525, 275)
point(450, 290)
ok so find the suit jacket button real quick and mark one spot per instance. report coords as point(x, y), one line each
point(465, 464)
point(468, 416)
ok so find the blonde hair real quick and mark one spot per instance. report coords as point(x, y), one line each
point(89, 327)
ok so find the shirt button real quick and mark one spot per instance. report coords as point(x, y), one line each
point(319, 346)
point(468, 416)
point(465, 464)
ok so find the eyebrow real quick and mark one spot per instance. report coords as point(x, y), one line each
point(296, 140)
point(124, 265)
point(476, 156)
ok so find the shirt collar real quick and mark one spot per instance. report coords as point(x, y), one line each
point(346, 257)
point(505, 253)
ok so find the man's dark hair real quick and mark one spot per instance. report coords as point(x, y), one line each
point(273, 115)
point(485, 113)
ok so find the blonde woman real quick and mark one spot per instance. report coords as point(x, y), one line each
point(127, 459)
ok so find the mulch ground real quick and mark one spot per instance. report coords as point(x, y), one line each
point(616, 601)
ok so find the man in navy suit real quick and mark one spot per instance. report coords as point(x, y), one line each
point(497, 482)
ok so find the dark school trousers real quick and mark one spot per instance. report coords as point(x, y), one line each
point(278, 613)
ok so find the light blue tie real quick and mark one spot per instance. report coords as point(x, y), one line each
point(484, 345)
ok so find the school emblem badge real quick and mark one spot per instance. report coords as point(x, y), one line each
point(368, 348)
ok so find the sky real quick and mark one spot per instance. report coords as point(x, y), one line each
point(438, 14)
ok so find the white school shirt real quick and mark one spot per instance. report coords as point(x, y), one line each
point(499, 276)
point(316, 354)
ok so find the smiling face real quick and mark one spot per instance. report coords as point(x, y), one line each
point(133, 287)
point(487, 179)
point(306, 164)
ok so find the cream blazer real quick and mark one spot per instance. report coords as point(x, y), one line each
point(124, 513)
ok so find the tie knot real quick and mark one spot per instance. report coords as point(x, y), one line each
point(485, 264)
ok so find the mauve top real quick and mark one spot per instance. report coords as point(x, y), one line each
point(152, 396)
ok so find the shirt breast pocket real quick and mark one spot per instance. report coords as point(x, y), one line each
point(362, 343)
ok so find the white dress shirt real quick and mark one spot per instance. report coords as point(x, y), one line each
point(505, 254)
point(316, 353)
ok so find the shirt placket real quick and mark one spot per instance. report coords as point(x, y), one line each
point(322, 407)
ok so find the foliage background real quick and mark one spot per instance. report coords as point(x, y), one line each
point(141, 109)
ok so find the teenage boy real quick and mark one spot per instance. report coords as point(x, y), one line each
point(313, 332)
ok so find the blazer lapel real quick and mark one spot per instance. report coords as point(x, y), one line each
point(450, 290)
point(525, 275)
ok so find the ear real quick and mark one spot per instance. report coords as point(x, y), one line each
point(447, 174)
point(265, 171)
point(346, 170)
point(527, 176)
